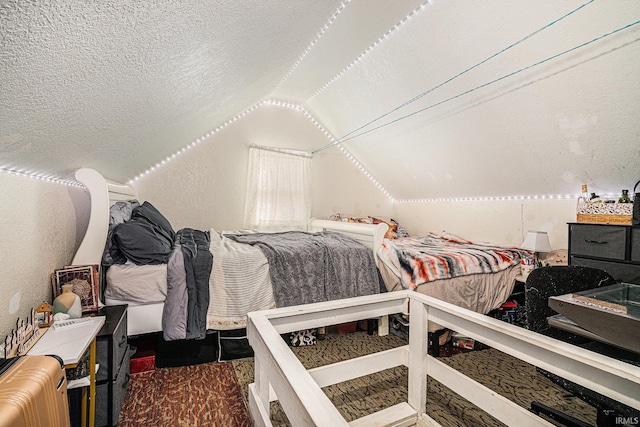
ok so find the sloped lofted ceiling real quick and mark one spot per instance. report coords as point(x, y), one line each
point(508, 98)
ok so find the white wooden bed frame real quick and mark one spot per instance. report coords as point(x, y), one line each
point(279, 375)
point(147, 318)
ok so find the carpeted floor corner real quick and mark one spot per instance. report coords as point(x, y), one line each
point(201, 395)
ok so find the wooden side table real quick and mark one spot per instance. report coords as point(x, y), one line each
point(70, 344)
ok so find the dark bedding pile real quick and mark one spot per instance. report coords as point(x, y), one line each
point(141, 235)
point(145, 237)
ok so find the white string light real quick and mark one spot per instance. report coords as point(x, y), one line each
point(358, 165)
point(313, 42)
point(367, 174)
point(203, 138)
point(42, 177)
point(367, 51)
point(493, 198)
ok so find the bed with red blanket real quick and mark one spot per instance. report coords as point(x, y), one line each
point(476, 276)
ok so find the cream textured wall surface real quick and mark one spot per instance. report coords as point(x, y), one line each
point(37, 235)
point(504, 221)
point(339, 187)
point(205, 187)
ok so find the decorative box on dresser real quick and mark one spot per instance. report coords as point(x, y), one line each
point(112, 378)
point(609, 247)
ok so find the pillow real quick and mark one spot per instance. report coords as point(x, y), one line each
point(140, 242)
point(150, 214)
point(392, 232)
point(118, 213)
point(395, 229)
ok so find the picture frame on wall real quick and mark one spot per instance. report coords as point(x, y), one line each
point(85, 281)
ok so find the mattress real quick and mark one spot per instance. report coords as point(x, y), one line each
point(478, 292)
point(141, 318)
point(143, 288)
point(451, 270)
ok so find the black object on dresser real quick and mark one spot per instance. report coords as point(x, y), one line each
point(612, 248)
point(112, 352)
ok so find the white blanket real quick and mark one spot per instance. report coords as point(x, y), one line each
point(239, 283)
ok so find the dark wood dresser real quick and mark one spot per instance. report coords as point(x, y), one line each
point(612, 248)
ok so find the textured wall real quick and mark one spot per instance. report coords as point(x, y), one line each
point(37, 235)
point(339, 187)
point(205, 187)
point(505, 221)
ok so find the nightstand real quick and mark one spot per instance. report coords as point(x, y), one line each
point(71, 344)
point(517, 294)
point(513, 309)
point(112, 379)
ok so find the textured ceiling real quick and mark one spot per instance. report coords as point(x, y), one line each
point(84, 83)
point(119, 85)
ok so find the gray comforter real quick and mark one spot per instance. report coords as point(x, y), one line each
point(315, 267)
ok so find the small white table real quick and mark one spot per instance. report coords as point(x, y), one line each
point(70, 344)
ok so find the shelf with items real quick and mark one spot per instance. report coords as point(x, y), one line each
point(593, 209)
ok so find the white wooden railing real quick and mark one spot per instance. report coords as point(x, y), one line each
point(279, 375)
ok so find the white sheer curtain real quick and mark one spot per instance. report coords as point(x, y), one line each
point(278, 190)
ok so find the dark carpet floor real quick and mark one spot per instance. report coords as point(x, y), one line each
point(215, 394)
point(508, 376)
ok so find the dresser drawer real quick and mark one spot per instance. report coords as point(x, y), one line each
point(120, 346)
point(109, 402)
point(598, 241)
point(625, 272)
point(111, 350)
point(635, 244)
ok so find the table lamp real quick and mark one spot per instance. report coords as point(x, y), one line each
point(536, 242)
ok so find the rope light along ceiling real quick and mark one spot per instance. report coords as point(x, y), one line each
point(311, 45)
point(358, 165)
point(431, 200)
point(42, 177)
point(197, 141)
point(346, 153)
point(350, 136)
point(368, 50)
point(266, 102)
point(493, 198)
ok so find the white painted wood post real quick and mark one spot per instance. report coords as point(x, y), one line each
point(418, 341)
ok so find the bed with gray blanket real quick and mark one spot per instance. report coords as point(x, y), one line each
point(210, 280)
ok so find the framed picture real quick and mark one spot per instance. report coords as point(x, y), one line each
point(84, 279)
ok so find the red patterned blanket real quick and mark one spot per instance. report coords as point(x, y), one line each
point(418, 260)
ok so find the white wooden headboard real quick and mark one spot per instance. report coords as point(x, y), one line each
point(102, 194)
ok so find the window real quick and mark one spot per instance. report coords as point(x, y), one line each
point(278, 190)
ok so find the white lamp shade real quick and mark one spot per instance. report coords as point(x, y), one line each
point(536, 241)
